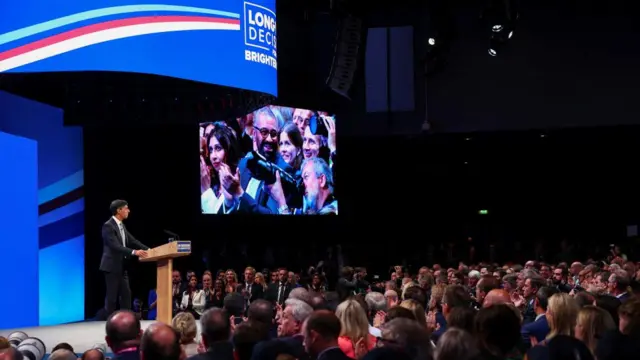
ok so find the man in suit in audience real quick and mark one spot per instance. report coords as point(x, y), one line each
point(216, 332)
point(119, 246)
point(321, 331)
point(123, 335)
point(249, 289)
point(160, 341)
point(279, 291)
point(539, 328)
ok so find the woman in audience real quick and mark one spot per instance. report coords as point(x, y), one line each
point(355, 328)
point(193, 299)
point(216, 297)
point(259, 279)
point(185, 324)
point(231, 281)
point(591, 324)
point(416, 309)
point(561, 314)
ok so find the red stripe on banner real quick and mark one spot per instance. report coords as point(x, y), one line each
point(106, 26)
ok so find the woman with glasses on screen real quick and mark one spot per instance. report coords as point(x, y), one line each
point(222, 149)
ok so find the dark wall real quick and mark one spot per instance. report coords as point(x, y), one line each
point(570, 63)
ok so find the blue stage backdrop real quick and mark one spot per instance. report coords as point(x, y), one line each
point(226, 42)
point(42, 182)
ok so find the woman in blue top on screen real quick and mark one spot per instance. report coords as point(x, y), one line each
point(290, 145)
point(153, 302)
point(222, 149)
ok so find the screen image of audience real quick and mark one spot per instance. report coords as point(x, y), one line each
point(276, 161)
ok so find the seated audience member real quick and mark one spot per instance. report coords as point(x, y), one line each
point(123, 335)
point(591, 325)
point(416, 309)
point(153, 305)
point(408, 335)
point(377, 305)
point(92, 354)
point(63, 345)
point(293, 315)
point(584, 298)
point(623, 343)
point(234, 305)
point(457, 344)
point(497, 331)
point(496, 296)
point(245, 337)
point(398, 312)
point(355, 327)
point(160, 342)
point(462, 318)
point(561, 347)
point(454, 296)
point(610, 304)
point(261, 311)
point(562, 313)
point(216, 332)
point(185, 325)
point(321, 331)
point(484, 286)
point(63, 354)
point(539, 328)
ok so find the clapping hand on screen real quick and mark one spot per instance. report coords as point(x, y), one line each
point(205, 176)
point(330, 124)
point(229, 181)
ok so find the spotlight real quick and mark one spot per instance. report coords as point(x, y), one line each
point(16, 337)
point(32, 348)
point(502, 16)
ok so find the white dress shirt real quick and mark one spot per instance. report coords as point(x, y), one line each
point(123, 234)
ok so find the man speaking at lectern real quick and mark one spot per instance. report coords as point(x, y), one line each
point(119, 246)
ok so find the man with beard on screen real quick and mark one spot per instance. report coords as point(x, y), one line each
point(249, 192)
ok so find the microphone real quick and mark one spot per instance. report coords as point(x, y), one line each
point(172, 234)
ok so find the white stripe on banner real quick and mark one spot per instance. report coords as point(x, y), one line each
point(108, 35)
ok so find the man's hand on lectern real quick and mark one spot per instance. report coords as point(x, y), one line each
point(141, 253)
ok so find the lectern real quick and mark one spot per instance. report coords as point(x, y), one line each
point(163, 256)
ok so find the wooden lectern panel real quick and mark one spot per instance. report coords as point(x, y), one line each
point(163, 256)
point(164, 290)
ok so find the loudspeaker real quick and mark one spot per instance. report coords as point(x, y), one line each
point(349, 50)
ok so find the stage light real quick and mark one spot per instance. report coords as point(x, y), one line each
point(503, 16)
point(32, 348)
point(483, 212)
point(16, 337)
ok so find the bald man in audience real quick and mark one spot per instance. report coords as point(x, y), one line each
point(123, 335)
point(63, 354)
point(496, 296)
point(161, 342)
point(93, 354)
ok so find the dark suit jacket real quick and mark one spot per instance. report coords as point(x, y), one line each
point(333, 354)
point(269, 350)
point(538, 329)
point(219, 351)
point(272, 292)
point(114, 253)
point(262, 203)
point(257, 292)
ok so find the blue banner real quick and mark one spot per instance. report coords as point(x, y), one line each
point(228, 42)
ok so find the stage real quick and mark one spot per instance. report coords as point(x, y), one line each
point(82, 335)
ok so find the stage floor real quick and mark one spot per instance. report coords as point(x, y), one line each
point(82, 336)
